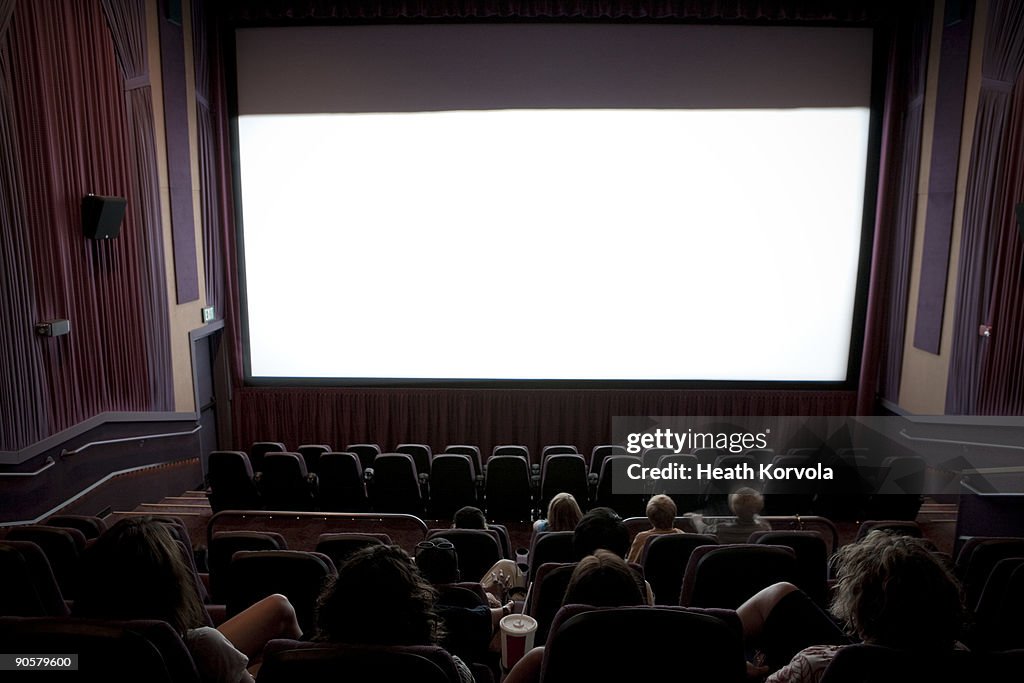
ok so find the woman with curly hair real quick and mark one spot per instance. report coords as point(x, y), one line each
point(379, 597)
point(891, 590)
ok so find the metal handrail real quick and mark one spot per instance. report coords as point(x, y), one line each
point(50, 462)
point(141, 437)
point(904, 434)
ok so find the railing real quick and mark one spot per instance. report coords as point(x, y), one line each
point(124, 439)
point(50, 462)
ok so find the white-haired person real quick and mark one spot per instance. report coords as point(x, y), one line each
point(661, 511)
point(746, 504)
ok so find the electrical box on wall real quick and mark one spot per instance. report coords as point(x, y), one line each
point(53, 328)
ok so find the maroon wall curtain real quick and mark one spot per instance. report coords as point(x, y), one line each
point(23, 403)
point(882, 360)
point(984, 207)
point(734, 10)
point(486, 417)
point(127, 22)
point(340, 416)
point(66, 134)
point(1002, 372)
point(213, 252)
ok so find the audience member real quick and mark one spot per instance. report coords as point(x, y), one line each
point(602, 580)
point(746, 504)
point(136, 570)
point(891, 590)
point(563, 514)
point(661, 510)
point(600, 528)
point(379, 597)
point(469, 517)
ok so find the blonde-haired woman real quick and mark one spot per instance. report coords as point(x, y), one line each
point(563, 514)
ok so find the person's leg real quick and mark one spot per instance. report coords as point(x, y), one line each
point(250, 630)
point(781, 620)
point(527, 669)
point(754, 612)
point(501, 577)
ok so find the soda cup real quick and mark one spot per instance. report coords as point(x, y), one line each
point(517, 631)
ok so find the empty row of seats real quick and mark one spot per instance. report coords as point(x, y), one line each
point(417, 481)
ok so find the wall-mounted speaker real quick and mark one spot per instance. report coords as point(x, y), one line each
point(102, 216)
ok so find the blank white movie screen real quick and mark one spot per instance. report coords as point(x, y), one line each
point(547, 242)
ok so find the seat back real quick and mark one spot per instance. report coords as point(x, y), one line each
point(846, 496)
point(547, 592)
point(997, 615)
point(977, 558)
point(558, 449)
point(726, 575)
point(341, 483)
point(452, 485)
point(509, 449)
point(395, 486)
point(420, 454)
point(110, 651)
point(893, 526)
point(231, 482)
point(651, 456)
point(587, 644)
point(863, 663)
point(311, 453)
point(477, 549)
point(29, 588)
point(339, 547)
point(61, 549)
point(599, 453)
point(552, 546)
point(288, 661)
point(285, 483)
point(366, 452)
point(626, 504)
point(507, 488)
point(259, 449)
point(664, 560)
point(811, 552)
point(223, 547)
point(708, 456)
point(898, 486)
point(90, 526)
point(474, 455)
point(563, 473)
point(298, 575)
point(790, 496)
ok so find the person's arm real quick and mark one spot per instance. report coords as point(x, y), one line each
point(637, 548)
point(216, 659)
point(699, 525)
point(807, 666)
point(252, 628)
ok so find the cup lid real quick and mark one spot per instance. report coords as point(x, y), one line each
point(518, 624)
